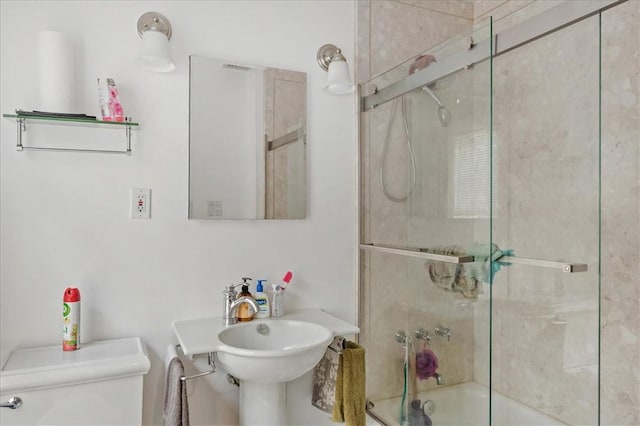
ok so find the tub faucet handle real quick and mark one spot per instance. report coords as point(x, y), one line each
point(401, 337)
point(444, 332)
point(423, 334)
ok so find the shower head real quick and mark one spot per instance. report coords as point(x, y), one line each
point(444, 116)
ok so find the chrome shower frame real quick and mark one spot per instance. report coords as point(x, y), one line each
point(550, 21)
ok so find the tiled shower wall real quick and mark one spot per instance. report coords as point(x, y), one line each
point(390, 32)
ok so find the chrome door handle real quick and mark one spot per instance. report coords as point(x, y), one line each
point(13, 403)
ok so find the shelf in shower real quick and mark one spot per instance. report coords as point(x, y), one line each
point(417, 252)
point(568, 267)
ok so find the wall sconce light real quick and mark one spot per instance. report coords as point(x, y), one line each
point(331, 59)
point(155, 31)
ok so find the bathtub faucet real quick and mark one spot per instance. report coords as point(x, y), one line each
point(439, 379)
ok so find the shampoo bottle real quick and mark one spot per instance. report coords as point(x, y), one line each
point(245, 311)
point(262, 300)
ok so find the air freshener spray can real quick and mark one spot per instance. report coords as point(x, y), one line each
point(71, 319)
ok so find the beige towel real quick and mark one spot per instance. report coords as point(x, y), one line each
point(176, 407)
point(350, 387)
point(451, 277)
point(325, 375)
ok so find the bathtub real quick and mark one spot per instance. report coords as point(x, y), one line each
point(467, 404)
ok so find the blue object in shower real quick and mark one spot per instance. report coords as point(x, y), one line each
point(496, 265)
point(486, 263)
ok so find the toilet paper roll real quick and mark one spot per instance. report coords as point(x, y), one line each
point(56, 72)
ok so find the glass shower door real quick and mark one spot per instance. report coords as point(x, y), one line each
point(426, 159)
point(481, 219)
point(546, 209)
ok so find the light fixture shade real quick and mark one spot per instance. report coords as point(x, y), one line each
point(339, 80)
point(154, 53)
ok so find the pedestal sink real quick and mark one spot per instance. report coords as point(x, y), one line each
point(264, 355)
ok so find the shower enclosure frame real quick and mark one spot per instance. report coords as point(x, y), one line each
point(541, 25)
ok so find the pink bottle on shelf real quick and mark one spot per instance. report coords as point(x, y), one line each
point(115, 108)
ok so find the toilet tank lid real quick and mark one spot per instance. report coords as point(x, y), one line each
point(50, 366)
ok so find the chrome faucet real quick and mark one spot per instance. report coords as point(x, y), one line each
point(230, 304)
point(439, 379)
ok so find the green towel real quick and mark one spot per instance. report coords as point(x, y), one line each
point(350, 383)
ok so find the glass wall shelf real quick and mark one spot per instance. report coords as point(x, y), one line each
point(21, 127)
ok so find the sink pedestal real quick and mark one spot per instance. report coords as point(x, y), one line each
point(262, 404)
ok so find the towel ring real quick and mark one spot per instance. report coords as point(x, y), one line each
point(338, 344)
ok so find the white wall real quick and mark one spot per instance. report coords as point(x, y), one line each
point(64, 216)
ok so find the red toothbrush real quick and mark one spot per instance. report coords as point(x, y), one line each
point(287, 278)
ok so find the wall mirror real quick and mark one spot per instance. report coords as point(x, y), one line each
point(247, 141)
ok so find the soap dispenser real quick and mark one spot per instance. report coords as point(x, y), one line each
point(262, 300)
point(245, 311)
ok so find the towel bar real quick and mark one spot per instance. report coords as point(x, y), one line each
point(417, 252)
point(568, 267)
point(211, 362)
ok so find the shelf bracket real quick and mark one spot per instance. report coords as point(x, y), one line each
point(21, 126)
point(128, 135)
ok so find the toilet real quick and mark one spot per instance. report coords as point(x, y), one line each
point(98, 384)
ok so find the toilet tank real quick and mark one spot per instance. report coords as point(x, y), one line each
point(98, 384)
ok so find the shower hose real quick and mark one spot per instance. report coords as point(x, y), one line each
point(412, 178)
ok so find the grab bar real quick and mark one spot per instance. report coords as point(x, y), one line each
point(211, 362)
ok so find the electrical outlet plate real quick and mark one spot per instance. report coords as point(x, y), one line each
point(140, 203)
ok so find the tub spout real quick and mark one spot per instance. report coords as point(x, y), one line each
point(439, 379)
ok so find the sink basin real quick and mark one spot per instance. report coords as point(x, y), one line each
point(272, 351)
point(264, 355)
